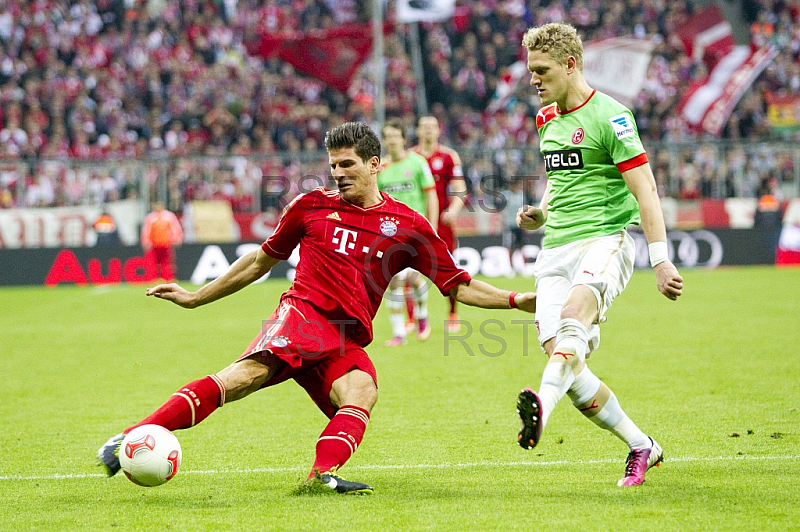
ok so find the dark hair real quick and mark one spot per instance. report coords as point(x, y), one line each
point(395, 123)
point(354, 135)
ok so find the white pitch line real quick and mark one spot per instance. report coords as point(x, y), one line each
point(461, 465)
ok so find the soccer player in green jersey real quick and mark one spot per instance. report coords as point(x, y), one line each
point(599, 182)
point(406, 176)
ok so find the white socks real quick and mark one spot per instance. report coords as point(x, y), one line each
point(598, 403)
point(572, 344)
point(396, 304)
point(589, 395)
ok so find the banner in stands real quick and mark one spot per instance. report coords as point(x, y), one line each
point(618, 66)
point(332, 55)
point(478, 255)
point(707, 104)
point(66, 226)
point(783, 111)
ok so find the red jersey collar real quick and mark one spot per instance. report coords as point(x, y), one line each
point(559, 112)
point(380, 204)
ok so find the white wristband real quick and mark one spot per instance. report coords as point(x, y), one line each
point(658, 253)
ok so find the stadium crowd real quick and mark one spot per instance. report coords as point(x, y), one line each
point(82, 81)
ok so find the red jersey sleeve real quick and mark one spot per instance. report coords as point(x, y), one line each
point(289, 231)
point(433, 259)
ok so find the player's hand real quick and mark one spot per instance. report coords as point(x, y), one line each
point(526, 301)
point(529, 217)
point(175, 293)
point(668, 280)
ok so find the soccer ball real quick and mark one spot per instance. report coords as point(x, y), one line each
point(150, 455)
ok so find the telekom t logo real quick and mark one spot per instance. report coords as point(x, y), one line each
point(347, 240)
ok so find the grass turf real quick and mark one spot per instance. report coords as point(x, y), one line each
point(714, 378)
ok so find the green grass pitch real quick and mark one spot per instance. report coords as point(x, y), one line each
point(714, 377)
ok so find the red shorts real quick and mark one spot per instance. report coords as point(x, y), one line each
point(447, 234)
point(314, 351)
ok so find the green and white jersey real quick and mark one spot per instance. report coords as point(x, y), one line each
point(408, 180)
point(585, 151)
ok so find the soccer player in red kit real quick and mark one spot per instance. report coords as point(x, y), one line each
point(450, 188)
point(352, 242)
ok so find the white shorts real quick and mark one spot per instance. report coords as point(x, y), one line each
point(604, 264)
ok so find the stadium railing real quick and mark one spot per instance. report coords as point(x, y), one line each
point(683, 170)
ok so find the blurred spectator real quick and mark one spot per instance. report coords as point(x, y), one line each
point(99, 80)
point(161, 232)
point(106, 229)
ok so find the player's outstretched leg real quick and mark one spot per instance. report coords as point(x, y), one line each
point(185, 408)
point(638, 462)
point(529, 408)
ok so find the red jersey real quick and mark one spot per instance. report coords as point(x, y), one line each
point(445, 166)
point(348, 255)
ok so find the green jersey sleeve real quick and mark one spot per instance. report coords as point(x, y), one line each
point(621, 138)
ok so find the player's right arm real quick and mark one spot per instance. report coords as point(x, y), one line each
point(250, 267)
point(247, 269)
point(532, 218)
point(642, 185)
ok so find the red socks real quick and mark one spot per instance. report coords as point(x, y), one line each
point(197, 400)
point(408, 293)
point(340, 439)
point(188, 406)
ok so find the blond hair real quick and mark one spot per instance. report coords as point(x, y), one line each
point(559, 40)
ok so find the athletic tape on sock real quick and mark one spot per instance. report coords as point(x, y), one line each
point(584, 387)
point(573, 337)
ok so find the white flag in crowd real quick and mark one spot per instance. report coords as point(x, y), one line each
point(617, 66)
point(425, 10)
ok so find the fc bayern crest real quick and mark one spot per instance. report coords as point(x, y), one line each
point(388, 228)
point(577, 137)
point(437, 163)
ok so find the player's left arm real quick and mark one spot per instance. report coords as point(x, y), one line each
point(642, 184)
point(480, 294)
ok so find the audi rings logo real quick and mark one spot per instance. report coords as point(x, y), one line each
point(695, 249)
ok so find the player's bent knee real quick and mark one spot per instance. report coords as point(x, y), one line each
point(355, 388)
point(572, 337)
point(583, 303)
point(242, 378)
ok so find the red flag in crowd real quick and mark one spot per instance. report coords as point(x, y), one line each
point(707, 104)
point(331, 55)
